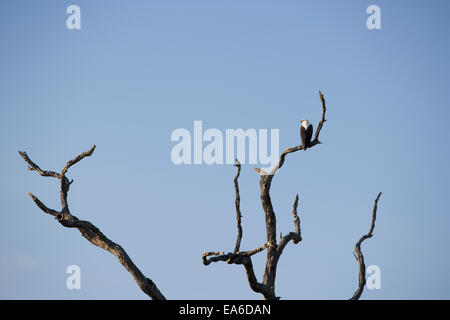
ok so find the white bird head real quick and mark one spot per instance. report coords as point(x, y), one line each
point(305, 123)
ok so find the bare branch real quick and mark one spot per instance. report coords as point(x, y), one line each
point(255, 251)
point(34, 167)
point(322, 120)
point(87, 229)
point(283, 156)
point(296, 236)
point(274, 250)
point(97, 238)
point(359, 256)
point(238, 209)
point(65, 183)
point(42, 206)
point(255, 285)
point(240, 257)
point(221, 256)
point(265, 183)
point(77, 159)
point(296, 221)
point(299, 147)
point(215, 257)
point(243, 258)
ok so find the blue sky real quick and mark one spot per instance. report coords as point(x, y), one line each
point(138, 70)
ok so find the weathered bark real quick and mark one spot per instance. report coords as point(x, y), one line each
point(87, 229)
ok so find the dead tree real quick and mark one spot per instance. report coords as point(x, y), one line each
point(274, 248)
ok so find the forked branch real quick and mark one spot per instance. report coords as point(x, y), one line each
point(87, 229)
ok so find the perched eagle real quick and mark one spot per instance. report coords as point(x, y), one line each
point(306, 131)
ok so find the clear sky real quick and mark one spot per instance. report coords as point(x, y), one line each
point(138, 70)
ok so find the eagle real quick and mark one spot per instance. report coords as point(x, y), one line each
point(306, 131)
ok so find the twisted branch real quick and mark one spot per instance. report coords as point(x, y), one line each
point(87, 229)
point(359, 256)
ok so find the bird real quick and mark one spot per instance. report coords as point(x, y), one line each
point(306, 131)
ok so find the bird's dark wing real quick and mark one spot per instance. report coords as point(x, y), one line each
point(303, 136)
point(309, 133)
